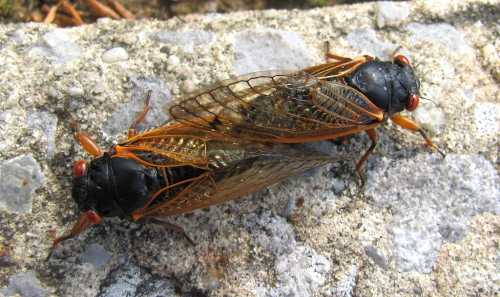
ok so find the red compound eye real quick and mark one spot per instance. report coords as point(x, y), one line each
point(93, 217)
point(79, 168)
point(413, 102)
point(402, 60)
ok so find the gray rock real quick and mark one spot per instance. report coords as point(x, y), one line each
point(57, 46)
point(443, 34)
point(19, 178)
point(129, 280)
point(43, 125)
point(432, 200)
point(391, 13)
point(300, 273)
point(25, 284)
point(366, 41)
point(96, 255)
point(187, 40)
point(115, 54)
point(269, 50)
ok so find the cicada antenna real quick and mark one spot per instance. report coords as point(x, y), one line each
point(425, 98)
point(394, 52)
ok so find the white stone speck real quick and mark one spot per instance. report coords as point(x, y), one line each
point(391, 13)
point(75, 91)
point(173, 60)
point(116, 54)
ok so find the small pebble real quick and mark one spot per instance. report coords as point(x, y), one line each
point(116, 54)
point(19, 178)
point(173, 60)
point(98, 88)
point(96, 255)
point(75, 91)
point(391, 13)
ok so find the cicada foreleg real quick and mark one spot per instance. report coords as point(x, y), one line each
point(330, 56)
point(408, 124)
point(132, 130)
point(372, 134)
point(84, 139)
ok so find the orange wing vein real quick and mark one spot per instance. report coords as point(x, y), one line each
point(278, 108)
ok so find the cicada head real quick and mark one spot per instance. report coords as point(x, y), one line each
point(391, 86)
point(93, 186)
point(409, 85)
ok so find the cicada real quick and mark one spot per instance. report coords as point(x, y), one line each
point(174, 169)
point(332, 100)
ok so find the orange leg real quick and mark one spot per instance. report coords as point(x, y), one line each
point(88, 144)
point(374, 138)
point(132, 130)
point(407, 123)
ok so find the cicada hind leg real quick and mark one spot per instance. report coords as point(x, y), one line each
point(169, 226)
point(132, 130)
point(372, 134)
point(337, 66)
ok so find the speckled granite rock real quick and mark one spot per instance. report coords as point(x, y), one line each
point(421, 225)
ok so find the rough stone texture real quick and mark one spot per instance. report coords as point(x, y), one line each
point(432, 202)
point(391, 13)
point(421, 226)
point(19, 178)
point(46, 124)
point(25, 284)
point(261, 50)
point(96, 255)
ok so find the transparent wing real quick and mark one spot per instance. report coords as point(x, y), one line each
point(239, 179)
point(277, 107)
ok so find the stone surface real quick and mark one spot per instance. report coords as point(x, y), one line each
point(129, 280)
point(19, 178)
point(115, 54)
point(57, 46)
point(432, 201)
point(260, 50)
point(43, 125)
point(366, 41)
point(391, 13)
point(96, 255)
point(25, 284)
point(421, 226)
point(187, 40)
point(442, 33)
